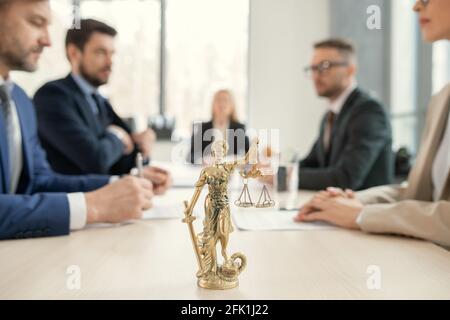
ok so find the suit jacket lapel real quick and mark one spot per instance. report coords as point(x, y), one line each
point(321, 154)
point(420, 184)
point(87, 113)
point(446, 192)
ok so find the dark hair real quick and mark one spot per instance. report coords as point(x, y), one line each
point(3, 3)
point(79, 37)
point(344, 46)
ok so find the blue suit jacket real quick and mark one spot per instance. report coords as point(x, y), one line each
point(76, 141)
point(40, 206)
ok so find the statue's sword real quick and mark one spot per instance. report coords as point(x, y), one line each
point(189, 220)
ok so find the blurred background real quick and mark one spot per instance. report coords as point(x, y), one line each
point(172, 55)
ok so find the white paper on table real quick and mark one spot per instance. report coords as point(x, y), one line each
point(155, 213)
point(171, 205)
point(158, 212)
point(273, 220)
point(184, 176)
point(166, 206)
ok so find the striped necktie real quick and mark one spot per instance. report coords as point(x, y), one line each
point(5, 101)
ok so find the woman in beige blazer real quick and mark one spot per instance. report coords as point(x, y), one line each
point(420, 208)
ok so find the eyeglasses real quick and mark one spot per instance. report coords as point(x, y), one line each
point(324, 67)
point(424, 2)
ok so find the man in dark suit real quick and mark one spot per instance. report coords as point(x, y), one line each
point(77, 126)
point(34, 200)
point(354, 148)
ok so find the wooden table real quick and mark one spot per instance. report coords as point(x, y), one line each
point(155, 260)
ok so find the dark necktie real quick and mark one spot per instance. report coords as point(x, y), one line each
point(327, 138)
point(100, 107)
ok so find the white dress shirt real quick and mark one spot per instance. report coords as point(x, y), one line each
point(441, 164)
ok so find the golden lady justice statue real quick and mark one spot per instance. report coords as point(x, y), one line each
point(217, 225)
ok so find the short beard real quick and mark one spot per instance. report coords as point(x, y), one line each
point(17, 59)
point(331, 93)
point(95, 82)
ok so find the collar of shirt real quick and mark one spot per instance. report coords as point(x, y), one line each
point(336, 106)
point(85, 86)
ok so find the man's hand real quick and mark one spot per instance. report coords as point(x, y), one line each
point(267, 176)
point(145, 141)
point(335, 206)
point(120, 201)
point(160, 178)
point(267, 179)
point(124, 137)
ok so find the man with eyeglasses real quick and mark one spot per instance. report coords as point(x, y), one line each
point(354, 148)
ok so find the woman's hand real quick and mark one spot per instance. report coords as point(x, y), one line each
point(335, 206)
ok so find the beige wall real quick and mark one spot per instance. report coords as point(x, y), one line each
point(280, 96)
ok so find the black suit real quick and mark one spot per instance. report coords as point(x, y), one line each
point(76, 140)
point(201, 140)
point(360, 155)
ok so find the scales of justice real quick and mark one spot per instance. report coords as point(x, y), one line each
point(217, 224)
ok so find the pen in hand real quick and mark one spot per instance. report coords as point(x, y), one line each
point(140, 165)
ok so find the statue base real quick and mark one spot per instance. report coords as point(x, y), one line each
point(226, 276)
point(215, 282)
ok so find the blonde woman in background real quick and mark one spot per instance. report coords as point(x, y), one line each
point(224, 125)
